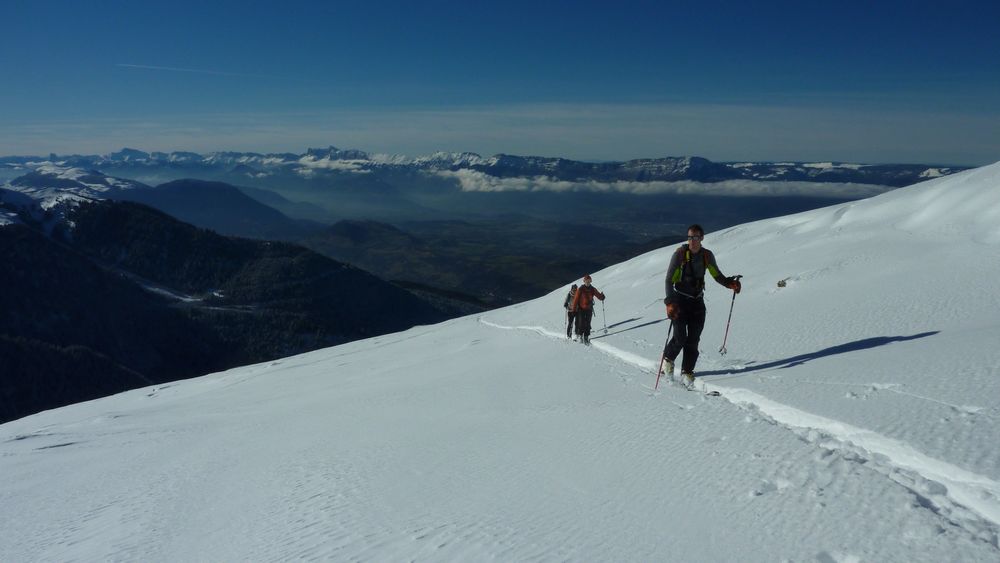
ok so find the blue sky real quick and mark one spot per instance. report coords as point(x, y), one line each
point(886, 82)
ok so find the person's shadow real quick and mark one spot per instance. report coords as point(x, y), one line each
point(620, 323)
point(624, 330)
point(855, 346)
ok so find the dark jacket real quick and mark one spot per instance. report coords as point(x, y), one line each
point(686, 273)
point(569, 299)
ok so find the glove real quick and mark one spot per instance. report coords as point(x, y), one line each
point(734, 284)
point(672, 311)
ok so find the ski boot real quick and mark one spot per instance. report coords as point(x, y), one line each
point(687, 380)
point(668, 369)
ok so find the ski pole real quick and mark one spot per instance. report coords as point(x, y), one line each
point(726, 337)
point(605, 315)
point(659, 371)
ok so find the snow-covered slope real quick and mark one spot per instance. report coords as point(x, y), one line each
point(49, 192)
point(52, 182)
point(858, 421)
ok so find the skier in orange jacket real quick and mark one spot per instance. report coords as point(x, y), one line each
point(583, 304)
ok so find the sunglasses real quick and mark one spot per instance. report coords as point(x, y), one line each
point(695, 237)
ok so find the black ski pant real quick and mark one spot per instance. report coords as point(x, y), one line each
point(687, 329)
point(570, 319)
point(583, 317)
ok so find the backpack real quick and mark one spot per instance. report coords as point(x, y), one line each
point(569, 299)
point(687, 264)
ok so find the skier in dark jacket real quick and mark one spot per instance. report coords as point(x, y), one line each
point(583, 304)
point(570, 312)
point(685, 288)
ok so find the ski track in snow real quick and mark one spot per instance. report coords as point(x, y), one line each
point(964, 498)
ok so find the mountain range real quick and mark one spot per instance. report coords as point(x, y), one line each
point(461, 265)
point(331, 160)
point(102, 295)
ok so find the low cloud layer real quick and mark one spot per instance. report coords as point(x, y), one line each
point(308, 165)
point(474, 181)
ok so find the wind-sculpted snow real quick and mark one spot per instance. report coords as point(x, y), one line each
point(858, 416)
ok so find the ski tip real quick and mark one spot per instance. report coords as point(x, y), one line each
point(713, 394)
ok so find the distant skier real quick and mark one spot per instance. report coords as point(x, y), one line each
point(685, 288)
point(570, 311)
point(583, 304)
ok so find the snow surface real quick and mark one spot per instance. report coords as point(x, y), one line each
point(859, 421)
point(832, 165)
point(8, 218)
point(87, 185)
point(71, 186)
point(91, 183)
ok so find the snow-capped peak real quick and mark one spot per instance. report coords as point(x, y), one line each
point(55, 189)
point(67, 180)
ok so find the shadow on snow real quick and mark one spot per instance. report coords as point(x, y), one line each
point(624, 322)
point(855, 346)
point(595, 329)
